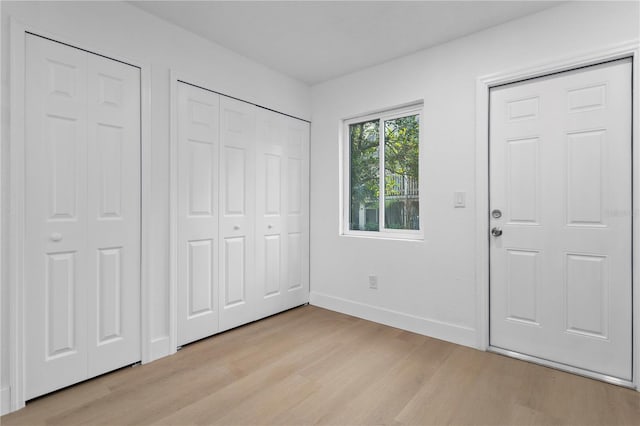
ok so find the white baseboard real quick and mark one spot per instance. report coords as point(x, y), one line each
point(5, 400)
point(454, 333)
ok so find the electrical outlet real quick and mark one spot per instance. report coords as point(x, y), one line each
point(373, 282)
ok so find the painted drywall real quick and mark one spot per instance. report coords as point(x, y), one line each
point(430, 286)
point(125, 31)
point(4, 389)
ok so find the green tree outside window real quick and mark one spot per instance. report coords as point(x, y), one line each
point(401, 137)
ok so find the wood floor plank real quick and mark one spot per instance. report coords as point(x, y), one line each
point(360, 365)
point(395, 387)
point(313, 366)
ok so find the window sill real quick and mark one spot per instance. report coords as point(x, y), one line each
point(373, 235)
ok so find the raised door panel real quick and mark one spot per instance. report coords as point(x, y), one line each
point(295, 267)
point(523, 278)
point(584, 178)
point(197, 234)
point(109, 295)
point(273, 267)
point(239, 298)
point(201, 291)
point(235, 189)
point(272, 184)
point(55, 207)
point(60, 309)
point(295, 186)
point(62, 153)
point(586, 279)
point(523, 181)
point(200, 179)
point(113, 202)
point(109, 153)
point(235, 283)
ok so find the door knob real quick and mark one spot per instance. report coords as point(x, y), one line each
point(496, 232)
point(269, 226)
point(236, 227)
point(56, 236)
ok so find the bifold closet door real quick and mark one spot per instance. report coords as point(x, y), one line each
point(242, 213)
point(198, 136)
point(297, 211)
point(281, 209)
point(238, 291)
point(82, 221)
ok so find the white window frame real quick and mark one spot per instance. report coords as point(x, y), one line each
point(382, 116)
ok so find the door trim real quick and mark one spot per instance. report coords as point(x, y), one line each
point(14, 244)
point(483, 84)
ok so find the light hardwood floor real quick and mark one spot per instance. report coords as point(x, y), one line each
point(313, 366)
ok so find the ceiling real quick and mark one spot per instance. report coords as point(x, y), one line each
point(314, 41)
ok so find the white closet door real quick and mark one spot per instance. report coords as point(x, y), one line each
point(82, 215)
point(113, 214)
point(198, 140)
point(238, 297)
point(56, 257)
point(281, 211)
point(297, 211)
point(271, 231)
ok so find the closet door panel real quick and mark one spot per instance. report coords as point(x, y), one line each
point(113, 231)
point(56, 218)
point(198, 150)
point(82, 195)
point(281, 211)
point(235, 283)
point(238, 301)
point(297, 212)
point(271, 197)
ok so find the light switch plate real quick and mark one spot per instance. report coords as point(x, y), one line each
point(459, 199)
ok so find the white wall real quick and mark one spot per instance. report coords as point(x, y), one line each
point(125, 31)
point(430, 286)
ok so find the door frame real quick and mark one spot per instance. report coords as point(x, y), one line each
point(14, 244)
point(483, 85)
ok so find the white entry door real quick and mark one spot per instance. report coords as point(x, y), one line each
point(82, 202)
point(198, 135)
point(560, 178)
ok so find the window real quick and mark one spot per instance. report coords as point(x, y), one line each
point(382, 166)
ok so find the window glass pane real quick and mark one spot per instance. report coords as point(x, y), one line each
point(401, 192)
point(364, 140)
